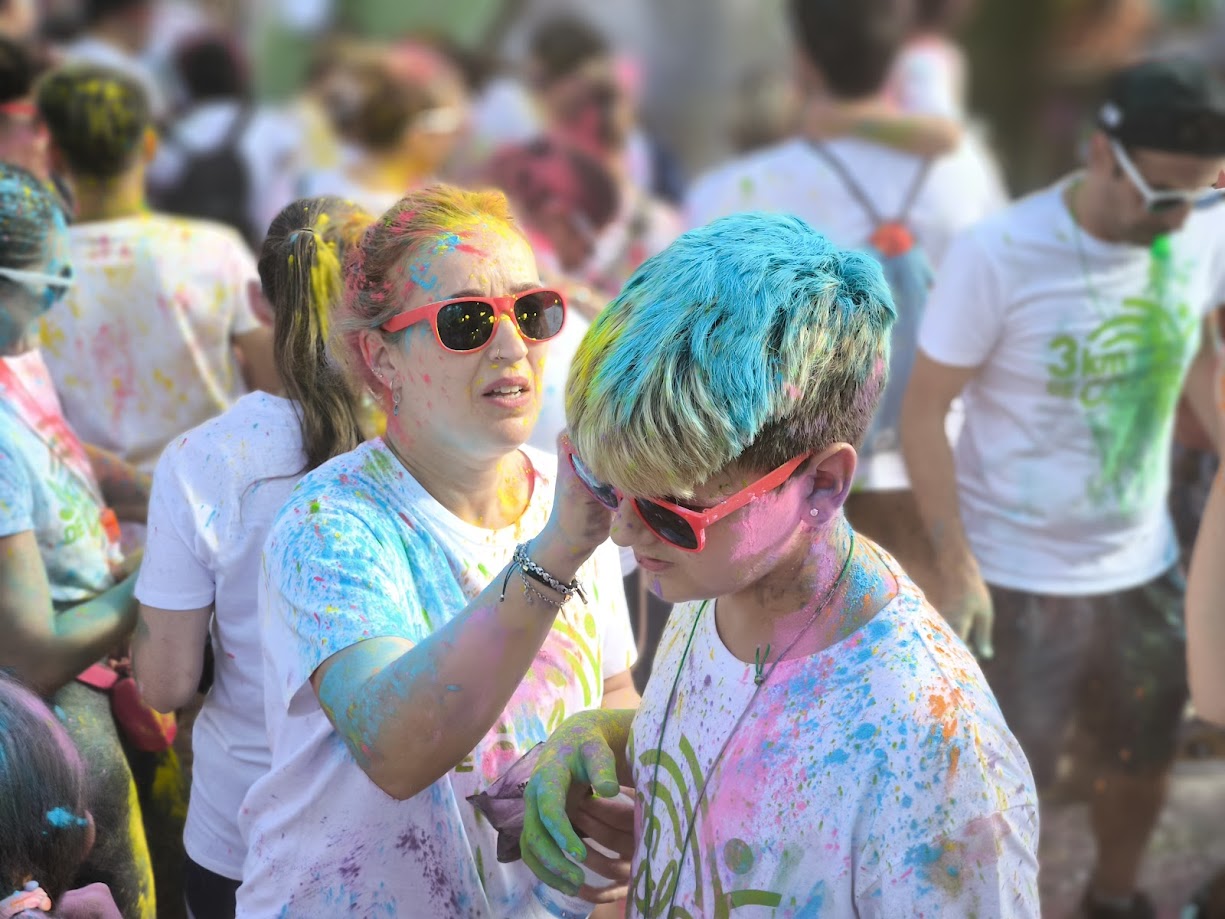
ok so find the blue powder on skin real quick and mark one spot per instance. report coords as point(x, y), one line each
point(63, 818)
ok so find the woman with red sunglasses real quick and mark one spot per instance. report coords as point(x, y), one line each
point(814, 738)
point(429, 611)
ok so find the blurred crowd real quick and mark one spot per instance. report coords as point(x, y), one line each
point(199, 279)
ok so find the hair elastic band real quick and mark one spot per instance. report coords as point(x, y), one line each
point(32, 896)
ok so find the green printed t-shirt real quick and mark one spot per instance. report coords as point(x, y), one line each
point(1082, 348)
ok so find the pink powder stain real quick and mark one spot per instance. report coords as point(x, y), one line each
point(425, 378)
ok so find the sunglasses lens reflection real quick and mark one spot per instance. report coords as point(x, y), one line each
point(465, 326)
point(540, 315)
point(667, 525)
point(605, 494)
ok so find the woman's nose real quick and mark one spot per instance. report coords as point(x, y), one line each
point(507, 344)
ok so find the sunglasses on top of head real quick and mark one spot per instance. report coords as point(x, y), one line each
point(1163, 202)
point(467, 324)
point(682, 527)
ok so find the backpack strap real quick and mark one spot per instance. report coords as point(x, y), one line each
point(860, 195)
point(855, 189)
point(237, 128)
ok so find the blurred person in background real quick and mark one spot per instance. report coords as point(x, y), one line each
point(19, 21)
point(215, 494)
point(1070, 323)
point(116, 34)
point(23, 136)
point(399, 113)
point(67, 602)
point(586, 97)
point(223, 157)
point(562, 199)
point(862, 193)
point(148, 343)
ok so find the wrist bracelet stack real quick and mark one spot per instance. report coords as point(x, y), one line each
point(530, 572)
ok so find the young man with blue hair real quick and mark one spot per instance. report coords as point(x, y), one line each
point(814, 738)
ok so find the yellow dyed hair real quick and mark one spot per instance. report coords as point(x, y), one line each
point(379, 273)
point(300, 270)
point(97, 118)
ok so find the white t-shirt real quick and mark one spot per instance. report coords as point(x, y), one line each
point(362, 551)
point(141, 348)
point(1083, 346)
point(59, 501)
point(793, 178)
point(215, 494)
point(874, 778)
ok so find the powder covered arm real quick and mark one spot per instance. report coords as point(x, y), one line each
point(44, 648)
point(411, 701)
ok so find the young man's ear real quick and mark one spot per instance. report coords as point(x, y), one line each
point(833, 474)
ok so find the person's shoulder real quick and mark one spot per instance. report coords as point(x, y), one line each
point(364, 483)
point(203, 242)
point(739, 184)
point(247, 442)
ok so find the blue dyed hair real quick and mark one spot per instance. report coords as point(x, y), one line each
point(749, 341)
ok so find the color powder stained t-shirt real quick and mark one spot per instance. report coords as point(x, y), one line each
point(361, 551)
point(141, 348)
point(876, 778)
point(1082, 345)
point(43, 491)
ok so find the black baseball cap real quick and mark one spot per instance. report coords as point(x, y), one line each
point(1172, 104)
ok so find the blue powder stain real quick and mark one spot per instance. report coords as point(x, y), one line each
point(907, 801)
point(62, 817)
point(452, 687)
point(837, 758)
point(922, 856)
point(419, 276)
point(865, 732)
point(447, 243)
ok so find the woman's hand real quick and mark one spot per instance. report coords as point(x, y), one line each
point(576, 760)
point(578, 524)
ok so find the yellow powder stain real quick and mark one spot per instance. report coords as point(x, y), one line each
point(140, 854)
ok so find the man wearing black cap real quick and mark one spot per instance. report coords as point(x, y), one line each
point(1070, 323)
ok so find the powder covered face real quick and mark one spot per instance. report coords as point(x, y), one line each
point(773, 533)
point(28, 298)
point(482, 404)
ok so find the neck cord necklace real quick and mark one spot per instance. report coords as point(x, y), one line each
point(650, 821)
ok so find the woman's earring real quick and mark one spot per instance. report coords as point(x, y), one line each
point(814, 513)
point(395, 403)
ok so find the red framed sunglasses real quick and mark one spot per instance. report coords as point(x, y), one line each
point(679, 526)
point(467, 324)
